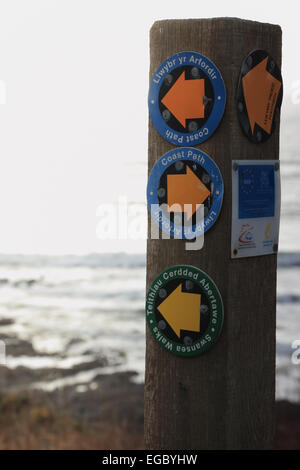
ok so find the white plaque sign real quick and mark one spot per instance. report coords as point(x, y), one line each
point(255, 207)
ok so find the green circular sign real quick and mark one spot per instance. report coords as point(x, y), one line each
point(184, 310)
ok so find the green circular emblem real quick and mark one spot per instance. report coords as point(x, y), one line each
point(184, 310)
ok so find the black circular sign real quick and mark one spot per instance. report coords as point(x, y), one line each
point(259, 96)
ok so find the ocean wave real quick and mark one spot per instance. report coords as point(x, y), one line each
point(104, 260)
point(92, 260)
point(288, 259)
point(288, 299)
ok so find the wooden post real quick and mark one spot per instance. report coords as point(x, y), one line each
point(225, 398)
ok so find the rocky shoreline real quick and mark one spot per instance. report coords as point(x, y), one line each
point(108, 415)
point(103, 413)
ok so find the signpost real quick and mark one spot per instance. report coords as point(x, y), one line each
point(224, 396)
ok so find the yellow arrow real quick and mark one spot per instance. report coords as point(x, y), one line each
point(181, 310)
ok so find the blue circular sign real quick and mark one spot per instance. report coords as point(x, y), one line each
point(182, 181)
point(187, 98)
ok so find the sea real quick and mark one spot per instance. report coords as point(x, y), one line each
point(71, 308)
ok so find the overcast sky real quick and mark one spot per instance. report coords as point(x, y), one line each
point(73, 130)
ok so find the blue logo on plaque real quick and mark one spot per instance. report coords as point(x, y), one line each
point(180, 182)
point(256, 191)
point(187, 98)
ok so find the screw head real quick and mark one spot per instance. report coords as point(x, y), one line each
point(189, 284)
point(203, 309)
point(205, 178)
point(192, 126)
point(179, 165)
point(271, 65)
point(166, 114)
point(259, 136)
point(187, 340)
point(162, 293)
point(168, 79)
point(249, 61)
point(206, 100)
point(161, 324)
point(195, 72)
point(161, 192)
